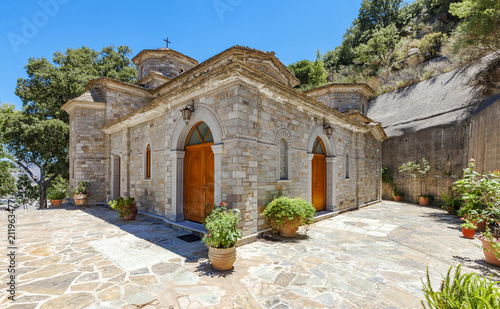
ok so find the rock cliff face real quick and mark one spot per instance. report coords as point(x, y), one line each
point(444, 119)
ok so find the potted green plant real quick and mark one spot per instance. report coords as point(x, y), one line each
point(286, 215)
point(481, 195)
point(468, 228)
point(222, 236)
point(126, 207)
point(58, 191)
point(451, 200)
point(81, 192)
point(397, 194)
point(419, 169)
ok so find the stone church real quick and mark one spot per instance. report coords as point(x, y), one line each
point(230, 129)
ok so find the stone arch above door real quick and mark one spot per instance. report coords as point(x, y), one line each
point(318, 131)
point(201, 113)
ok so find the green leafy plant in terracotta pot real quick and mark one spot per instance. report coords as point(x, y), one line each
point(126, 207)
point(58, 191)
point(419, 169)
point(222, 236)
point(468, 228)
point(81, 193)
point(397, 194)
point(286, 214)
point(481, 195)
point(451, 200)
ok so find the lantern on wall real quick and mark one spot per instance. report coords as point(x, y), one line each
point(328, 129)
point(187, 111)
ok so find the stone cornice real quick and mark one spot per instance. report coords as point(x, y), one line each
point(236, 72)
point(152, 76)
point(116, 85)
point(163, 53)
point(72, 105)
point(363, 89)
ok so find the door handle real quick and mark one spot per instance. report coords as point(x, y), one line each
point(204, 187)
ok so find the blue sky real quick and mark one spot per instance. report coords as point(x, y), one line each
point(200, 29)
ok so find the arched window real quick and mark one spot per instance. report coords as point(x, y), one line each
point(318, 147)
point(200, 134)
point(148, 162)
point(347, 166)
point(283, 159)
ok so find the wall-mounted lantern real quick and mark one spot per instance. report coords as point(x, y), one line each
point(328, 129)
point(187, 111)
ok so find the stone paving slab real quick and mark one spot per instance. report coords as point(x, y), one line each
point(371, 258)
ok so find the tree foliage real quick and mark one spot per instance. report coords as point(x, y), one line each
point(7, 180)
point(480, 25)
point(51, 84)
point(30, 142)
point(38, 136)
point(379, 47)
point(310, 73)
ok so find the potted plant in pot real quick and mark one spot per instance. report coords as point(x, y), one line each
point(126, 207)
point(58, 191)
point(81, 192)
point(397, 194)
point(222, 236)
point(286, 215)
point(468, 228)
point(451, 200)
point(419, 169)
point(481, 195)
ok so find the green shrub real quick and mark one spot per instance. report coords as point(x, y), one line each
point(59, 189)
point(221, 225)
point(283, 207)
point(123, 205)
point(462, 291)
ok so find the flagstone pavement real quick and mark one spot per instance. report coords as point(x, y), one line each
point(374, 257)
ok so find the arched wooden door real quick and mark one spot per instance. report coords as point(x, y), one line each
point(319, 176)
point(198, 172)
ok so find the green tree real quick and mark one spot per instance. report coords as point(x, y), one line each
point(480, 25)
point(379, 48)
point(317, 76)
point(25, 191)
point(30, 142)
point(7, 180)
point(373, 15)
point(51, 84)
point(38, 136)
point(301, 70)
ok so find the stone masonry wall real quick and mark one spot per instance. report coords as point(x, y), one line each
point(88, 151)
point(120, 104)
point(343, 101)
point(167, 67)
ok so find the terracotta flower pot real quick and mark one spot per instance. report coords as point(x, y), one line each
point(56, 203)
point(289, 228)
point(397, 198)
point(80, 199)
point(132, 214)
point(469, 233)
point(424, 201)
point(222, 259)
point(489, 254)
